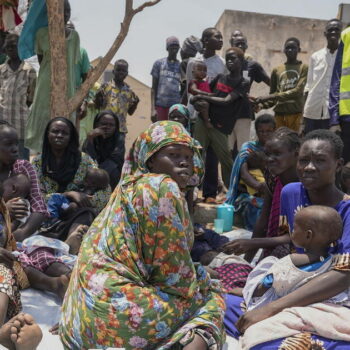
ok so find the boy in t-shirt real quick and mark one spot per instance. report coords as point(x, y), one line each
point(230, 97)
point(166, 81)
point(287, 88)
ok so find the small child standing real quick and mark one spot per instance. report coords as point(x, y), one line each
point(200, 86)
point(316, 228)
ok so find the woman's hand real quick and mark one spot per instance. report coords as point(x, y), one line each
point(6, 258)
point(252, 317)
point(239, 246)
point(95, 133)
point(17, 208)
point(81, 199)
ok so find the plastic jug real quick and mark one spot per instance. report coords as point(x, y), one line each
point(225, 211)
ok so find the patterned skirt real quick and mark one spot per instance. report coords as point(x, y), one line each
point(9, 286)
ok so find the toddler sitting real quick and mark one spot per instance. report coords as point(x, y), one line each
point(316, 228)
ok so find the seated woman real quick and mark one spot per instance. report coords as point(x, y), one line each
point(318, 163)
point(247, 181)
point(102, 145)
point(134, 284)
point(282, 153)
point(11, 165)
point(62, 168)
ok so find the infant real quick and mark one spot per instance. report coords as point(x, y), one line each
point(95, 180)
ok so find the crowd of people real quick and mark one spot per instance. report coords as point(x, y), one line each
point(114, 237)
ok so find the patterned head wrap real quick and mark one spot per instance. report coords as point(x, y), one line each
point(157, 136)
point(184, 111)
point(180, 108)
point(192, 45)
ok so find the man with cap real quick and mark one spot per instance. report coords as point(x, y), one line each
point(166, 80)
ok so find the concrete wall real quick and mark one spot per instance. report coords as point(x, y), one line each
point(266, 35)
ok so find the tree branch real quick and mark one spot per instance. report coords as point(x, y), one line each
point(146, 4)
point(95, 73)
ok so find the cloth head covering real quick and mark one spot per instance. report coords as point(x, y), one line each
point(105, 147)
point(172, 40)
point(157, 136)
point(192, 45)
point(65, 172)
point(184, 111)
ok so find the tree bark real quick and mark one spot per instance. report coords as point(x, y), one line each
point(59, 81)
point(95, 73)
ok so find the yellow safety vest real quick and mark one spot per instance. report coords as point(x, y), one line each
point(344, 97)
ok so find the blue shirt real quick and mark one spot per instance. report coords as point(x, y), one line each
point(169, 79)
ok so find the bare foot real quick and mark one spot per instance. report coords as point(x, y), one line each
point(75, 238)
point(61, 285)
point(5, 331)
point(28, 336)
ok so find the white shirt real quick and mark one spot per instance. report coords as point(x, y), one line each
point(318, 84)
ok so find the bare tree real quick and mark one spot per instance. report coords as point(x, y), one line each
point(60, 104)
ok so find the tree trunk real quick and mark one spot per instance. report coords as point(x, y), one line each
point(58, 58)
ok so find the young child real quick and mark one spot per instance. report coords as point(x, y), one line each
point(256, 163)
point(345, 178)
point(287, 88)
point(17, 186)
point(200, 86)
point(95, 180)
point(315, 229)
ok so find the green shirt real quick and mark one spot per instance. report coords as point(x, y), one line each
point(287, 83)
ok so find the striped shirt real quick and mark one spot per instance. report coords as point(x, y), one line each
point(36, 200)
point(16, 88)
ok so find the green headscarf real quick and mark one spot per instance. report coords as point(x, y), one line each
point(157, 136)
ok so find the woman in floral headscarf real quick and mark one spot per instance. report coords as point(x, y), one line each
point(134, 285)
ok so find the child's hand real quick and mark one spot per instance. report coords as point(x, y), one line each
point(17, 208)
point(6, 258)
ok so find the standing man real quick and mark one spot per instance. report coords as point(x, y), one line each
point(287, 88)
point(212, 42)
point(252, 71)
point(166, 81)
point(118, 97)
point(339, 94)
point(316, 115)
point(17, 86)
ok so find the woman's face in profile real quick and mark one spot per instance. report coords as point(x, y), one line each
point(173, 160)
point(59, 135)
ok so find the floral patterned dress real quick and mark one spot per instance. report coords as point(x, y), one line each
point(49, 187)
point(11, 280)
point(134, 285)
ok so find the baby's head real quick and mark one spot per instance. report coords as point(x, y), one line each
point(16, 186)
point(257, 160)
point(199, 70)
point(317, 227)
point(95, 180)
point(208, 257)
